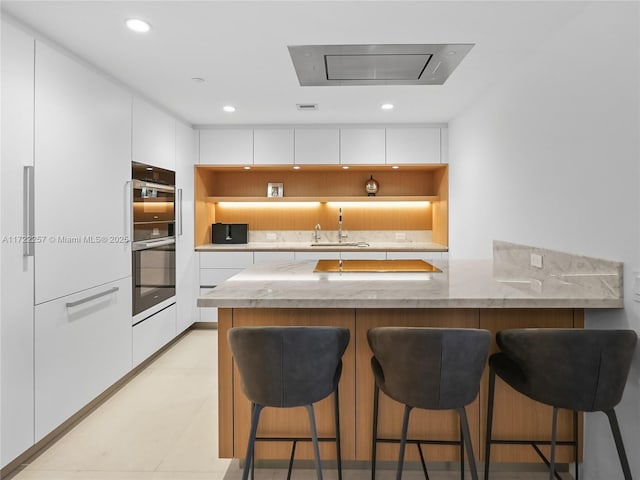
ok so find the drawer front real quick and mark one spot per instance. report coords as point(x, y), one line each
point(270, 257)
point(415, 255)
point(226, 259)
point(317, 255)
point(209, 315)
point(82, 347)
point(153, 333)
point(210, 277)
point(363, 255)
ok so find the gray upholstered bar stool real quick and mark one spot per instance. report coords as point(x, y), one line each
point(578, 370)
point(427, 368)
point(289, 367)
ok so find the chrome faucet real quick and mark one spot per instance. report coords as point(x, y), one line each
point(316, 233)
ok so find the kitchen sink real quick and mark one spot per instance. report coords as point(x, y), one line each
point(338, 244)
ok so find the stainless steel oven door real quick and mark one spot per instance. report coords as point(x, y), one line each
point(153, 210)
point(154, 273)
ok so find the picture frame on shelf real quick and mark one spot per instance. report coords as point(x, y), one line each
point(275, 190)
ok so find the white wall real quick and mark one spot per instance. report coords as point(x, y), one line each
point(551, 157)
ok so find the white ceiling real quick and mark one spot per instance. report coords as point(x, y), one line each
point(240, 48)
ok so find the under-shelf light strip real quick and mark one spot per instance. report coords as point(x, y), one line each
point(268, 204)
point(382, 204)
point(311, 204)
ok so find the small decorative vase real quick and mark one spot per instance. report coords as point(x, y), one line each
point(371, 186)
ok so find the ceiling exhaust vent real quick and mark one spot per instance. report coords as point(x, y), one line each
point(307, 106)
point(318, 65)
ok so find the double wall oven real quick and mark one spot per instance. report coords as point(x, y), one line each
point(153, 247)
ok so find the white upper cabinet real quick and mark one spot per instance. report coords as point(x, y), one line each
point(16, 294)
point(153, 136)
point(82, 168)
point(273, 146)
point(317, 146)
point(413, 145)
point(226, 146)
point(362, 146)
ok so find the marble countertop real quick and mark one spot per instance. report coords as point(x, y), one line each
point(461, 284)
point(306, 246)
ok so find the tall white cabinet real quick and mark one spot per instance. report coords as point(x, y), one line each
point(186, 258)
point(83, 267)
point(68, 138)
point(82, 165)
point(16, 278)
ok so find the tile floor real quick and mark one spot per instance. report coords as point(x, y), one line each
point(162, 425)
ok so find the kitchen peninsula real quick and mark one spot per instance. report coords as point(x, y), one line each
point(506, 292)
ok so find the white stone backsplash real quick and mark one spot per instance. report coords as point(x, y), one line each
point(512, 263)
point(369, 236)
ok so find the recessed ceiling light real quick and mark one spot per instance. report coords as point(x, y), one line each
point(198, 79)
point(247, 167)
point(229, 108)
point(387, 106)
point(296, 167)
point(395, 167)
point(451, 52)
point(345, 167)
point(137, 25)
point(150, 169)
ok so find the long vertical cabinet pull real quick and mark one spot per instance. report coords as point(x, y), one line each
point(179, 211)
point(128, 209)
point(28, 211)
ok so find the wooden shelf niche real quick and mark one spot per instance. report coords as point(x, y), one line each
point(410, 198)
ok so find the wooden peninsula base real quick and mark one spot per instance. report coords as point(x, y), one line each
point(515, 415)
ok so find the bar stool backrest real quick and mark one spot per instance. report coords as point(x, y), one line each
point(429, 368)
point(583, 370)
point(288, 366)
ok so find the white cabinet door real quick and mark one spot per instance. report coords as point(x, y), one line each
point(82, 165)
point(82, 347)
point(186, 257)
point(273, 146)
point(413, 145)
point(317, 146)
point(210, 277)
point(362, 146)
point(226, 146)
point(226, 259)
point(16, 294)
point(153, 136)
point(153, 333)
point(215, 268)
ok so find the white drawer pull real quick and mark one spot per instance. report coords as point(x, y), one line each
point(92, 297)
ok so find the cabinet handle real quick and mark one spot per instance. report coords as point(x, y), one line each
point(179, 212)
point(128, 210)
point(92, 297)
point(28, 228)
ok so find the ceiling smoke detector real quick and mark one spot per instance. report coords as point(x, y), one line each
point(418, 64)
